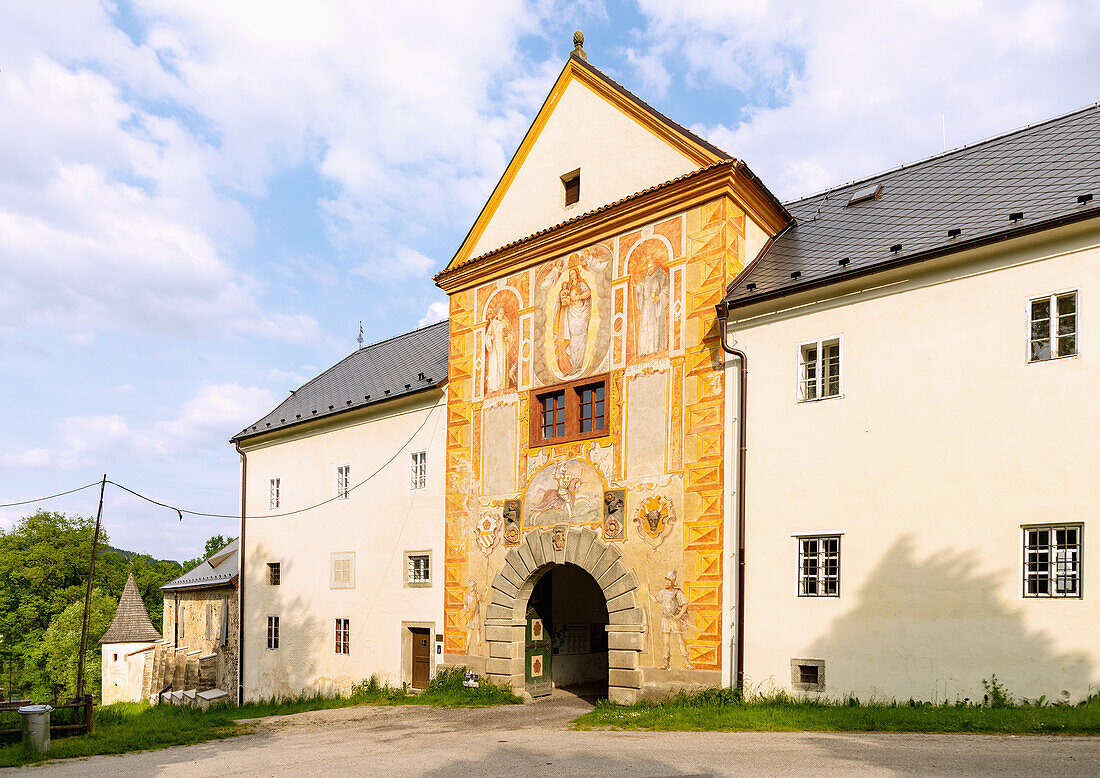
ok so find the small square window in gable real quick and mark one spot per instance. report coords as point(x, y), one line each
point(571, 185)
point(342, 570)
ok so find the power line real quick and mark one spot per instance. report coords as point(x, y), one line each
point(52, 496)
point(181, 511)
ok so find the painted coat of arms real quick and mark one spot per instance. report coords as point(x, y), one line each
point(487, 536)
point(654, 519)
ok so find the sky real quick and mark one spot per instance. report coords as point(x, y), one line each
point(200, 201)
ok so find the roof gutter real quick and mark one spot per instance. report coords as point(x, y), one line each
point(952, 248)
point(742, 426)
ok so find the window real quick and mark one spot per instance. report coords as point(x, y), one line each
point(273, 632)
point(343, 636)
point(819, 370)
point(418, 569)
point(419, 470)
point(1053, 327)
point(273, 496)
point(274, 573)
point(571, 185)
point(808, 675)
point(1052, 560)
point(566, 413)
point(343, 570)
point(819, 566)
point(343, 479)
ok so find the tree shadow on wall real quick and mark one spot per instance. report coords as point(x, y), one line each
point(932, 629)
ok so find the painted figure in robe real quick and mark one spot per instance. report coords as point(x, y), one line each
point(499, 369)
point(651, 303)
point(573, 317)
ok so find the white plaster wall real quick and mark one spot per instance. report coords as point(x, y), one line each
point(616, 156)
point(378, 522)
point(944, 443)
point(755, 238)
point(121, 678)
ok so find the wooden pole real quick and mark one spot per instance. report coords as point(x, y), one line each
point(88, 594)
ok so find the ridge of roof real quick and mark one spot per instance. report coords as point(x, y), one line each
point(949, 153)
point(206, 574)
point(131, 623)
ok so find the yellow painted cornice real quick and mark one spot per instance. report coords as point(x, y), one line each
point(723, 179)
point(692, 147)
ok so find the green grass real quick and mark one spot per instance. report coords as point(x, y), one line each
point(721, 709)
point(140, 727)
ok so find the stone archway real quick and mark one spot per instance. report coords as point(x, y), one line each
point(505, 617)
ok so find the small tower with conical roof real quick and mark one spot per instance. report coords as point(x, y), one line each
point(126, 646)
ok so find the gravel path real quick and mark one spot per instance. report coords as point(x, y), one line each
point(535, 739)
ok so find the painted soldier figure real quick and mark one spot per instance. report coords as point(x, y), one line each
point(674, 607)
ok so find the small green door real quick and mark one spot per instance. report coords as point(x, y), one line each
point(537, 654)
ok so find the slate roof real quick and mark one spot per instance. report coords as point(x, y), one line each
point(131, 623)
point(397, 367)
point(1038, 171)
point(217, 569)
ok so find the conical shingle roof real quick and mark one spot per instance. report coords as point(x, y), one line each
point(131, 624)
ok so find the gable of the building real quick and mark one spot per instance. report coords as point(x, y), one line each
point(591, 127)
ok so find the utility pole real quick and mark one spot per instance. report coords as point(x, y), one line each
point(88, 594)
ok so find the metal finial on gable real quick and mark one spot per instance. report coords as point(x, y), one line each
point(578, 42)
point(360, 338)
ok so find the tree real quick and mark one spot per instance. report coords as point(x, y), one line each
point(53, 659)
point(213, 545)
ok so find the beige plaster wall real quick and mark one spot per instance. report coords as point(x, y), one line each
point(616, 156)
point(944, 443)
point(121, 677)
point(378, 522)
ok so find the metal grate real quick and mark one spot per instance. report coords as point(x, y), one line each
point(1052, 560)
point(819, 566)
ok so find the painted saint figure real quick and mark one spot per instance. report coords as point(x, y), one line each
point(674, 607)
point(651, 303)
point(499, 370)
point(471, 611)
point(574, 314)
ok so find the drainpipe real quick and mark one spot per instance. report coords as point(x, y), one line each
point(175, 619)
point(742, 409)
point(240, 579)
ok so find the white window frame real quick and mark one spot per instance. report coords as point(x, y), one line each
point(273, 621)
point(819, 379)
point(274, 496)
point(342, 556)
point(342, 637)
point(410, 582)
point(1052, 331)
point(418, 474)
point(1053, 562)
point(343, 482)
point(820, 577)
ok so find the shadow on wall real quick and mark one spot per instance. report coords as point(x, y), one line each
point(932, 629)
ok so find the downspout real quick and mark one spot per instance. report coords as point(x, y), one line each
point(240, 579)
point(175, 619)
point(742, 409)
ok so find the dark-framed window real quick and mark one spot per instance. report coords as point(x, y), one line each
point(1052, 560)
point(568, 412)
point(819, 566)
point(274, 573)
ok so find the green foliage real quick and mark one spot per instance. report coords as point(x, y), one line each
point(43, 571)
point(213, 544)
point(53, 659)
point(996, 695)
point(709, 709)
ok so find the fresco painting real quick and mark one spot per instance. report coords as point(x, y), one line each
point(572, 314)
point(565, 491)
point(647, 266)
point(500, 342)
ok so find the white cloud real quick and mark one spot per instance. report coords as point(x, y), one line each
point(437, 311)
point(203, 424)
point(846, 89)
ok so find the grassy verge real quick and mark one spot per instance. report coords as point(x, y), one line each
point(720, 709)
point(127, 727)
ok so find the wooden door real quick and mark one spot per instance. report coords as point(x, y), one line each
point(537, 655)
point(421, 657)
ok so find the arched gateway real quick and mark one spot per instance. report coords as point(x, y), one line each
point(524, 565)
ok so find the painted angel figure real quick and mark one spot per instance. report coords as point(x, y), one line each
point(651, 303)
point(499, 370)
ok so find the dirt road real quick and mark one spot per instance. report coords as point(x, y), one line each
point(535, 739)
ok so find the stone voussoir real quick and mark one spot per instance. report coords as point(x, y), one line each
point(627, 583)
point(622, 602)
point(500, 583)
point(629, 616)
point(612, 574)
point(533, 542)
